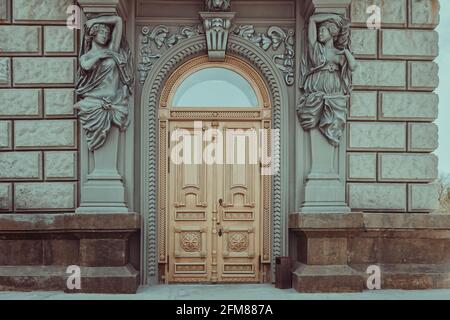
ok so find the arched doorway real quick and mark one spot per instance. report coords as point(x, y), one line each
point(215, 130)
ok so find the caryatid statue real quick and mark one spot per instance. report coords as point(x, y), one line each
point(326, 82)
point(218, 5)
point(105, 79)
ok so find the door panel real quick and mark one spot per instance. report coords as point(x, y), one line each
point(214, 223)
point(190, 215)
point(239, 212)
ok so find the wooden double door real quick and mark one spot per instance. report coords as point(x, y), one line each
point(214, 201)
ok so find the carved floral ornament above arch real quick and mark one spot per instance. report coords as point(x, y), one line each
point(277, 42)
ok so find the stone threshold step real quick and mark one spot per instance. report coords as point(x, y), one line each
point(123, 279)
point(342, 278)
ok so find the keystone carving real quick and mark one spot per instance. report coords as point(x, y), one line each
point(105, 79)
point(326, 82)
point(217, 26)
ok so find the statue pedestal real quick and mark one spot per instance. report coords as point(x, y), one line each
point(324, 190)
point(103, 190)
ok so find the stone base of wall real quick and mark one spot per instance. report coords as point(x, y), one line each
point(37, 249)
point(333, 251)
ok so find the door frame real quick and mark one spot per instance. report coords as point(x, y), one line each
point(150, 129)
point(166, 114)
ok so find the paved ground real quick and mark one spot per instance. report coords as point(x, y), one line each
point(231, 292)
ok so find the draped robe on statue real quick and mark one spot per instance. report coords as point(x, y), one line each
point(96, 111)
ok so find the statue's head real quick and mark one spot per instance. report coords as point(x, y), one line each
point(328, 30)
point(100, 33)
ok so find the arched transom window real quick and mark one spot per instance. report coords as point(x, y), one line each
point(215, 85)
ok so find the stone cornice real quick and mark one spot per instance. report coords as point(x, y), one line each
point(118, 7)
point(327, 6)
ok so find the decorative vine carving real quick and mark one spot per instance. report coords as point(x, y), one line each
point(273, 39)
point(154, 41)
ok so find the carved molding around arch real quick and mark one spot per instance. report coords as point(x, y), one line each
point(153, 162)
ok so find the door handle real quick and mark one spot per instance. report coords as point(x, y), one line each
point(220, 232)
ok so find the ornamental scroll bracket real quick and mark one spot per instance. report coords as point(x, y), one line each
point(217, 22)
point(217, 26)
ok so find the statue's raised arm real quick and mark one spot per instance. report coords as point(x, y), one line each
point(116, 26)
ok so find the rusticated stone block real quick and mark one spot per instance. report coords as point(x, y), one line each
point(20, 252)
point(407, 167)
point(44, 196)
point(61, 252)
point(412, 106)
point(4, 11)
point(377, 196)
point(41, 134)
point(373, 136)
point(5, 135)
point(363, 105)
point(59, 102)
point(393, 12)
point(423, 75)
point(60, 165)
point(5, 72)
point(362, 166)
point(403, 250)
point(17, 40)
point(326, 251)
point(422, 137)
point(423, 13)
point(20, 103)
point(59, 40)
point(362, 250)
point(364, 43)
point(44, 71)
point(5, 197)
point(380, 75)
point(20, 165)
point(33, 11)
point(423, 197)
point(103, 252)
point(409, 44)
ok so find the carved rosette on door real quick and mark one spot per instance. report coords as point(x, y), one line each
point(217, 220)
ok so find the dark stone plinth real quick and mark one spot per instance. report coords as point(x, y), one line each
point(36, 250)
point(333, 251)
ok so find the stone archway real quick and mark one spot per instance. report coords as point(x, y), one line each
point(154, 252)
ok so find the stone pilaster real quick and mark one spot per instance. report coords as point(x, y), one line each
point(325, 183)
point(103, 188)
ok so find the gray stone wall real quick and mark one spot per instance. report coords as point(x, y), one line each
point(38, 128)
point(391, 133)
